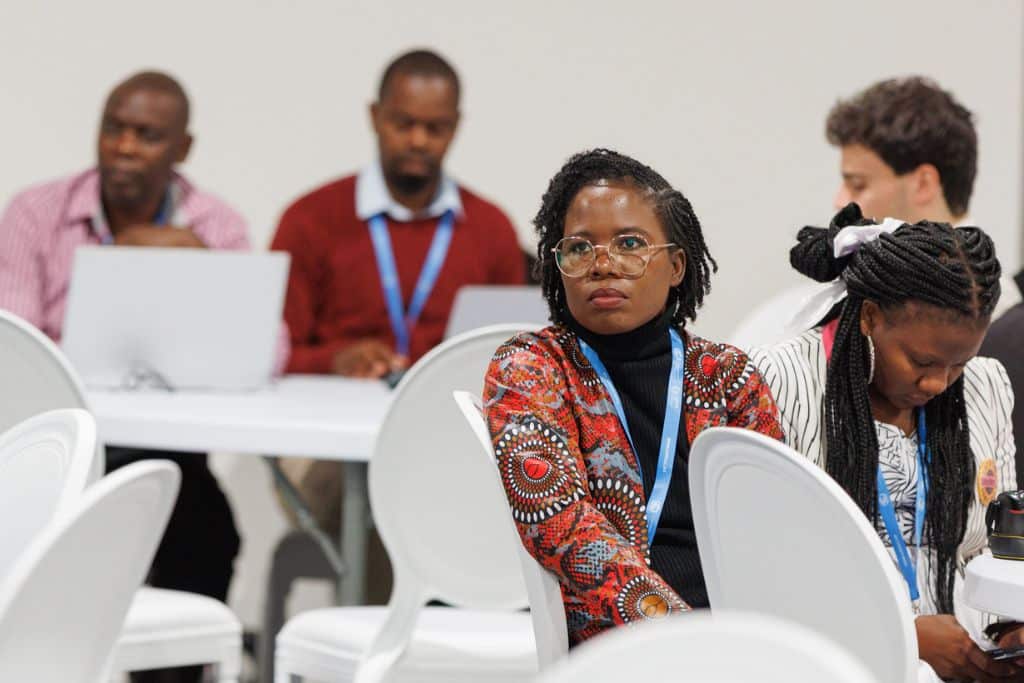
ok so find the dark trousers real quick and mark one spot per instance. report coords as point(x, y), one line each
point(198, 549)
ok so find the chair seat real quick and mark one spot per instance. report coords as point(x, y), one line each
point(448, 644)
point(174, 628)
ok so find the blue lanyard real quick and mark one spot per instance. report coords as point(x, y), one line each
point(908, 567)
point(403, 321)
point(669, 428)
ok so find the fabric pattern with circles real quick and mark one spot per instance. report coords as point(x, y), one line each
point(642, 599)
point(537, 472)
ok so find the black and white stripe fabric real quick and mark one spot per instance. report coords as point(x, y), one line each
point(795, 373)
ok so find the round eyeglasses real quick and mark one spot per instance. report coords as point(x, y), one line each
point(628, 252)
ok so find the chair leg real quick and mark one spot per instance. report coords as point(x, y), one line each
point(296, 556)
point(393, 638)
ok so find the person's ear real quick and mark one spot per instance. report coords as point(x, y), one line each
point(871, 317)
point(678, 257)
point(925, 185)
point(184, 148)
point(375, 117)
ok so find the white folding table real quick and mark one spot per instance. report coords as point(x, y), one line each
point(331, 418)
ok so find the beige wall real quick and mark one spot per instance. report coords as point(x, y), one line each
point(727, 99)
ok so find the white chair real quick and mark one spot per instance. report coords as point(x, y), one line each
point(63, 603)
point(169, 628)
point(768, 322)
point(477, 306)
point(725, 647)
point(778, 536)
point(44, 464)
point(446, 533)
point(35, 377)
point(542, 588)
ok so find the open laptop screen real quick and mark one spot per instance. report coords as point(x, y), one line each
point(190, 318)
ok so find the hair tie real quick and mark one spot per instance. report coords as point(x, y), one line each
point(851, 238)
point(847, 241)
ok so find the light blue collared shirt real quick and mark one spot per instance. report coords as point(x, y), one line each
point(372, 198)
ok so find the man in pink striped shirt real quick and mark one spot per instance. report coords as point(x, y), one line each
point(132, 197)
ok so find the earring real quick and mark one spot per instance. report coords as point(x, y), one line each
point(871, 358)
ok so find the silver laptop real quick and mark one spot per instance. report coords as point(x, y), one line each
point(174, 318)
point(480, 305)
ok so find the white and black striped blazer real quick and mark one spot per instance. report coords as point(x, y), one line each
point(795, 372)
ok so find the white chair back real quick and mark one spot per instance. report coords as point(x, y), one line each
point(778, 536)
point(446, 535)
point(542, 588)
point(704, 648)
point(477, 306)
point(768, 322)
point(64, 602)
point(35, 377)
point(44, 466)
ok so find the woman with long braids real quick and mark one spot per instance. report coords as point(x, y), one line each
point(885, 393)
point(592, 417)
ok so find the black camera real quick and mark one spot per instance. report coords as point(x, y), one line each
point(1004, 520)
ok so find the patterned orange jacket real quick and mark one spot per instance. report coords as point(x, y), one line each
point(572, 480)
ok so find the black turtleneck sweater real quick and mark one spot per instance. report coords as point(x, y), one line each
point(639, 362)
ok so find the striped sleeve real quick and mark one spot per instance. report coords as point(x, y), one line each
point(22, 276)
point(791, 370)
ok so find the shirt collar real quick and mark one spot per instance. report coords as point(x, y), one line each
point(373, 197)
point(85, 203)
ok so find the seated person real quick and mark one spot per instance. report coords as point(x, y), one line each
point(401, 216)
point(592, 418)
point(133, 196)
point(886, 394)
point(1003, 342)
point(378, 257)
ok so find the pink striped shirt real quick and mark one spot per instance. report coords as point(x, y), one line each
point(43, 225)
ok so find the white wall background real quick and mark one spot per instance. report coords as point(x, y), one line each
point(727, 99)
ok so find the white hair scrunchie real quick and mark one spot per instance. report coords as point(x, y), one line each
point(847, 241)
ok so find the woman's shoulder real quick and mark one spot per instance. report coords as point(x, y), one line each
point(717, 362)
point(547, 345)
point(800, 355)
point(986, 381)
point(723, 354)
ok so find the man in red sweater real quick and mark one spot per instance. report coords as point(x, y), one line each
point(378, 257)
point(343, 236)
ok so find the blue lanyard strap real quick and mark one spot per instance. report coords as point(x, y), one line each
point(908, 566)
point(403, 321)
point(669, 428)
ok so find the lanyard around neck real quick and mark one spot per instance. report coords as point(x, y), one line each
point(908, 565)
point(669, 428)
point(402, 321)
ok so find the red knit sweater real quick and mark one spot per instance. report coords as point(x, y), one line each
point(334, 295)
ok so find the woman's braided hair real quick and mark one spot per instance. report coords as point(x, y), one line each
point(954, 269)
point(671, 207)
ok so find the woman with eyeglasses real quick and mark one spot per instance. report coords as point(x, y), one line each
point(592, 418)
point(883, 390)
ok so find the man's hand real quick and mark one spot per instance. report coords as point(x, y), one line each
point(367, 358)
point(947, 647)
point(157, 236)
